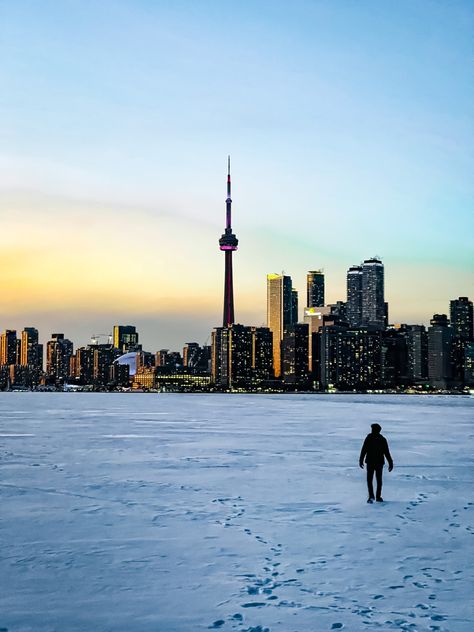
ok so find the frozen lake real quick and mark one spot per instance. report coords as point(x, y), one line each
point(179, 513)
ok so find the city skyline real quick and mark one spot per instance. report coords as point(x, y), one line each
point(349, 129)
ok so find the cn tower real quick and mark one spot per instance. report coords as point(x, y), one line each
point(228, 243)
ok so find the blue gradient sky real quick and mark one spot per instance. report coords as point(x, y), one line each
point(351, 133)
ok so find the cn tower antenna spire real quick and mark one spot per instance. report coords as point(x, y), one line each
point(229, 200)
point(228, 243)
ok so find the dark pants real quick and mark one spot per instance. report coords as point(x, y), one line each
point(378, 469)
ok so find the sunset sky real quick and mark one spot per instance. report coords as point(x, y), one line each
point(350, 129)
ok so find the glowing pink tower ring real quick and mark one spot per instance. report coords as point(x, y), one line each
point(228, 243)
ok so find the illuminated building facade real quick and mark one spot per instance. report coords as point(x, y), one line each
point(84, 365)
point(9, 347)
point(242, 356)
point(315, 288)
point(350, 359)
point(295, 356)
point(125, 338)
point(197, 358)
point(280, 312)
point(395, 356)
point(156, 378)
point(469, 364)
point(417, 354)
point(58, 358)
point(232, 356)
point(262, 354)
point(103, 357)
point(440, 342)
point(461, 314)
point(373, 301)
point(354, 296)
point(31, 350)
point(462, 325)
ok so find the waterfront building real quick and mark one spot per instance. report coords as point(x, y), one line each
point(440, 339)
point(395, 356)
point(191, 354)
point(417, 354)
point(461, 314)
point(31, 349)
point(165, 378)
point(119, 374)
point(354, 296)
point(8, 348)
point(219, 356)
point(374, 309)
point(280, 312)
point(295, 354)
point(262, 354)
point(469, 364)
point(103, 357)
point(350, 359)
point(232, 356)
point(315, 318)
point(58, 358)
point(84, 365)
point(197, 358)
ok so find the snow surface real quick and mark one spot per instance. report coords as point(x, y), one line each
point(181, 513)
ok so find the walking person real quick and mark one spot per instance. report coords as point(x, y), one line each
point(374, 452)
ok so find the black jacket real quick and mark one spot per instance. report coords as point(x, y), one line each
point(374, 450)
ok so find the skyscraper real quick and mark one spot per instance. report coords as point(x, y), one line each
point(103, 357)
point(315, 288)
point(440, 339)
point(350, 358)
point(58, 355)
point(125, 338)
point(354, 296)
point(295, 354)
point(373, 301)
point(31, 350)
point(294, 305)
point(84, 365)
point(8, 347)
point(417, 348)
point(262, 354)
point(462, 326)
point(461, 314)
point(280, 312)
point(232, 355)
point(228, 243)
point(315, 318)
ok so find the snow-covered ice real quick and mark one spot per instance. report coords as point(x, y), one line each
point(178, 513)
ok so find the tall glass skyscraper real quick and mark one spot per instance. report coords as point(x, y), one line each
point(462, 318)
point(31, 350)
point(280, 312)
point(354, 296)
point(373, 301)
point(315, 288)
